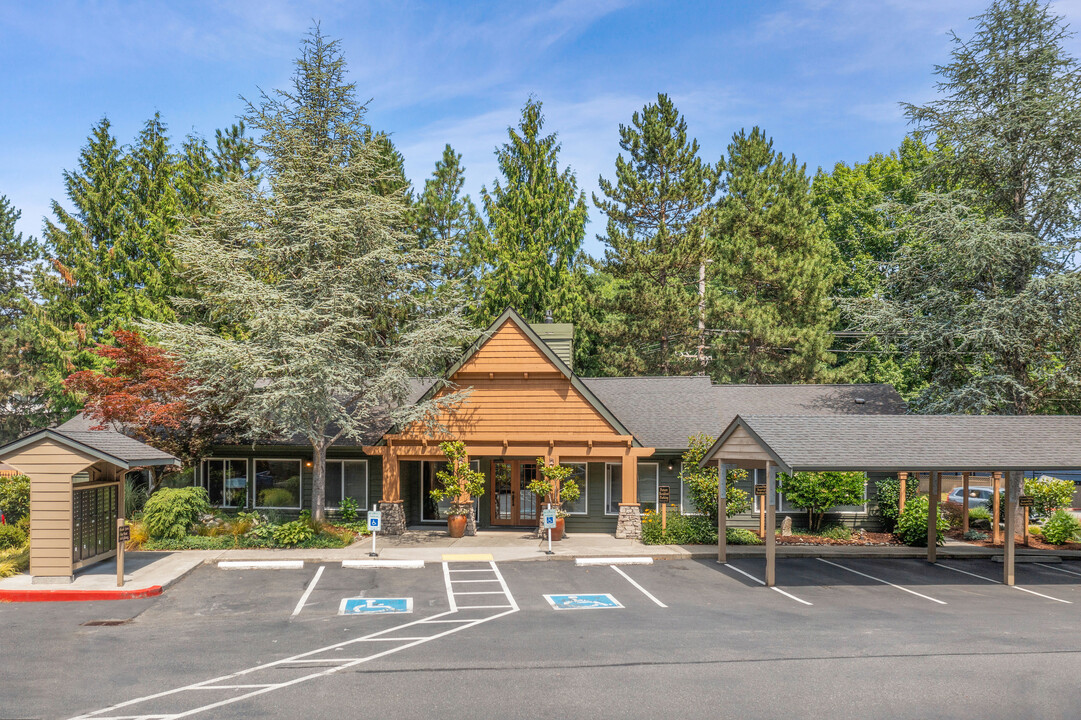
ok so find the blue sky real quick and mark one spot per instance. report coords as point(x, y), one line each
point(824, 78)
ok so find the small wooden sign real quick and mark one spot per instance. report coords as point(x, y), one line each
point(1026, 501)
point(760, 490)
point(123, 533)
point(664, 494)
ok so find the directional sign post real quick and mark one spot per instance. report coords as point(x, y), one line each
point(548, 518)
point(123, 534)
point(1026, 501)
point(375, 524)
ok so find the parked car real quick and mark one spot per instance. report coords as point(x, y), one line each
point(978, 496)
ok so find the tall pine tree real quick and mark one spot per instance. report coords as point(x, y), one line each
point(775, 269)
point(444, 217)
point(655, 245)
point(536, 225)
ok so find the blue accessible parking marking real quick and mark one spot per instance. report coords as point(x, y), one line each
point(582, 602)
point(375, 606)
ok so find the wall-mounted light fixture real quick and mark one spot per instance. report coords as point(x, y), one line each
point(671, 465)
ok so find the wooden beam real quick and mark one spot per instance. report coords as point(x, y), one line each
point(996, 509)
point(964, 502)
point(630, 480)
point(722, 515)
point(902, 479)
point(933, 485)
point(771, 525)
point(1011, 520)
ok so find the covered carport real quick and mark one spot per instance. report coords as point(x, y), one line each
point(894, 444)
point(76, 494)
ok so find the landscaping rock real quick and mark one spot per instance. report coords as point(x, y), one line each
point(786, 526)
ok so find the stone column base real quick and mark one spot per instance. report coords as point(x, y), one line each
point(470, 518)
point(393, 517)
point(629, 525)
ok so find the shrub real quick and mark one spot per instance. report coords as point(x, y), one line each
point(953, 512)
point(820, 492)
point(275, 497)
point(887, 495)
point(135, 497)
point(348, 509)
point(740, 536)
point(263, 533)
point(912, 525)
point(701, 483)
point(14, 561)
point(837, 532)
point(980, 515)
point(139, 535)
point(975, 535)
point(1061, 527)
point(293, 533)
point(169, 512)
point(1049, 494)
point(23, 524)
point(15, 497)
point(11, 537)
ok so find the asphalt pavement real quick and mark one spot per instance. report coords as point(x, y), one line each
point(847, 637)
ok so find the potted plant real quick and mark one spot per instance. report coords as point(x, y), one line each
point(458, 483)
point(554, 484)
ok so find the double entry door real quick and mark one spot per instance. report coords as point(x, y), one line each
point(512, 502)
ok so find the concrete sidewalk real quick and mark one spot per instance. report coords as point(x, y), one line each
point(149, 573)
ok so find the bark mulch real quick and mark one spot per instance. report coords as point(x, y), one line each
point(858, 538)
point(1033, 542)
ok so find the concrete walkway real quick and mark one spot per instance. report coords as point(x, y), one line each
point(149, 573)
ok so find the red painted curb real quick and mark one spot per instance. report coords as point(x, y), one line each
point(77, 595)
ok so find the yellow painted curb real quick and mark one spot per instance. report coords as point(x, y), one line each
point(477, 557)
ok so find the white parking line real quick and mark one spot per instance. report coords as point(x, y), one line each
point(884, 582)
point(308, 591)
point(763, 582)
point(581, 562)
point(261, 564)
point(644, 591)
point(366, 564)
point(1052, 567)
point(999, 582)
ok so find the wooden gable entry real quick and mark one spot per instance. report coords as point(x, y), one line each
point(523, 403)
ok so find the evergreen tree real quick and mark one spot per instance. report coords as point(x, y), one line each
point(775, 269)
point(655, 244)
point(985, 287)
point(17, 258)
point(444, 217)
point(315, 268)
point(536, 225)
point(235, 156)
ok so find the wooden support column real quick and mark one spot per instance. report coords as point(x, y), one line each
point(902, 479)
point(761, 511)
point(392, 485)
point(771, 524)
point(722, 514)
point(1011, 519)
point(934, 483)
point(964, 502)
point(996, 510)
point(630, 480)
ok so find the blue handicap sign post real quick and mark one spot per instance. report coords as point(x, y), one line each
point(375, 606)
point(600, 601)
point(548, 522)
point(375, 524)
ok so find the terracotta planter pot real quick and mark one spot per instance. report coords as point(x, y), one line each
point(557, 532)
point(456, 525)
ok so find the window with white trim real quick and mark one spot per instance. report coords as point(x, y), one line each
point(613, 488)
point(430, 510)
point(347, 479)
point(581, 478)
point(649, 478)
point(225, 480)
point(278, 484)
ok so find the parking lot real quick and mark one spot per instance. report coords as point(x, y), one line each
point(836, 638)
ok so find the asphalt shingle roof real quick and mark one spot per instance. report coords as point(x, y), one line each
point(662, 412)
point(920, 442)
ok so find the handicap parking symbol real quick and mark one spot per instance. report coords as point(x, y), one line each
point(375, 606)
point(582, 602)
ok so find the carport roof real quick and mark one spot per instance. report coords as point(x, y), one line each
point(109, 445)
point(896, 443)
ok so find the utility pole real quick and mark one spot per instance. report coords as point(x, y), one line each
point(702, 315)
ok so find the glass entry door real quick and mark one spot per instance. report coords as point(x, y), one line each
point(512, 502)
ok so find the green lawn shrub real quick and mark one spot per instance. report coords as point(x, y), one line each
point(170, 512)
point(11, 537)
point(953, 512)
point(1062, 527)
point(979, 517)
point(741, 536)
point(820, 492)
point(1049, 494)
point(912, 525)
point(836, 532)
point(975, 535)
point(15, 497)
point(701, 483)
point(887, 495)
point(293, 533)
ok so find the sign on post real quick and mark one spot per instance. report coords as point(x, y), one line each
point(1026, 501)
point(664, 494)
point(123, 534)
point(548, 519)
point(375, 521)
point(760, 490)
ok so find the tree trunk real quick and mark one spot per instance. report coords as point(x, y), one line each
point(319, 481)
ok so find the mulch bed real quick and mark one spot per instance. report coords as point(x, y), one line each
point(1034, 542)
point(858, 538)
